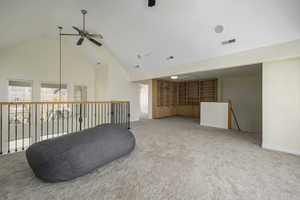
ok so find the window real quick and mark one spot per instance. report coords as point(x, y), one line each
point(51, 92)
point(19, 91)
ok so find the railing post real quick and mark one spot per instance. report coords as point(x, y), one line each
point(80, 117)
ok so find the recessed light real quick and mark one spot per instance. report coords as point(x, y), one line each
point(219, 29)
point(174, 77)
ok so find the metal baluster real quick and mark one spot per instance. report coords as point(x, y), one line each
point(80, 117)
point(95, 109)
point(58, 111)
point(68, 105)
point(1, 148)
point(88, 115)
point(125, 108)
point(84, 112)
point(76, 121)
point(8, 129)
point(29, 125)
point(35, 123)
point(47, 113)
point(111, 113)
point(42, 120)
point(63, 119)
point(119, 114)
point(101, 114)
point(120, 111)
point(122, 115)
point(53, 115)
point(16, 128)
point(128, 104)
point(106, 113)
point(116, 113)
point(23, 118)
point(72, 118)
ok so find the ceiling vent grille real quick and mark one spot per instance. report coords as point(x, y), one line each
point(228, 41)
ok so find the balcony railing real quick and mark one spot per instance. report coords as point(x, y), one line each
point(25, 123)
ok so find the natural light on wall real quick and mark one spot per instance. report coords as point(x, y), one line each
point(144, 89)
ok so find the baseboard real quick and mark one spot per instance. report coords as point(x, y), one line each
point(276, 148)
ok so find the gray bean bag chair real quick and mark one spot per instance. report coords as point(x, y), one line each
point(70, 156)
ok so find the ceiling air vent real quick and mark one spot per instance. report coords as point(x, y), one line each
point(228, 41)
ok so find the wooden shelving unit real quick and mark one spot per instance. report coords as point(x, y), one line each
point(182, 98)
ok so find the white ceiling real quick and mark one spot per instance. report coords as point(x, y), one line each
point(183, 29)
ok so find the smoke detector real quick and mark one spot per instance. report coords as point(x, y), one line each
point(219, 28)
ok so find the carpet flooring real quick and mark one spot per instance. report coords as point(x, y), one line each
point(174, 159)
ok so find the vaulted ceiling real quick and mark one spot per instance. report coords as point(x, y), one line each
point(182, 29)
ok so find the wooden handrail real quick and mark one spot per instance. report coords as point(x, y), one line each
point(61, 102)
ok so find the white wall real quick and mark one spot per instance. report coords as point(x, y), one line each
point(37, 60)
point(214, 114)
point(101, 82)
point(281, 105)
point(245, 95)
point(113, 83)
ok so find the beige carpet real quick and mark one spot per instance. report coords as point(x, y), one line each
point(175, 158)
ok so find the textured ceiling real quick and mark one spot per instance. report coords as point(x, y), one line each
point(183, 29)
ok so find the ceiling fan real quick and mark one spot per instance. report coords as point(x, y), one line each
point(83, 33)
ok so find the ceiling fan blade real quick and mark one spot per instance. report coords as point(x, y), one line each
point(94, 41)
point(78, 30)
point(95, 35)
point(79, 42)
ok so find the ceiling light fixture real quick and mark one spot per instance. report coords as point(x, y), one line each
point(174, 77)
